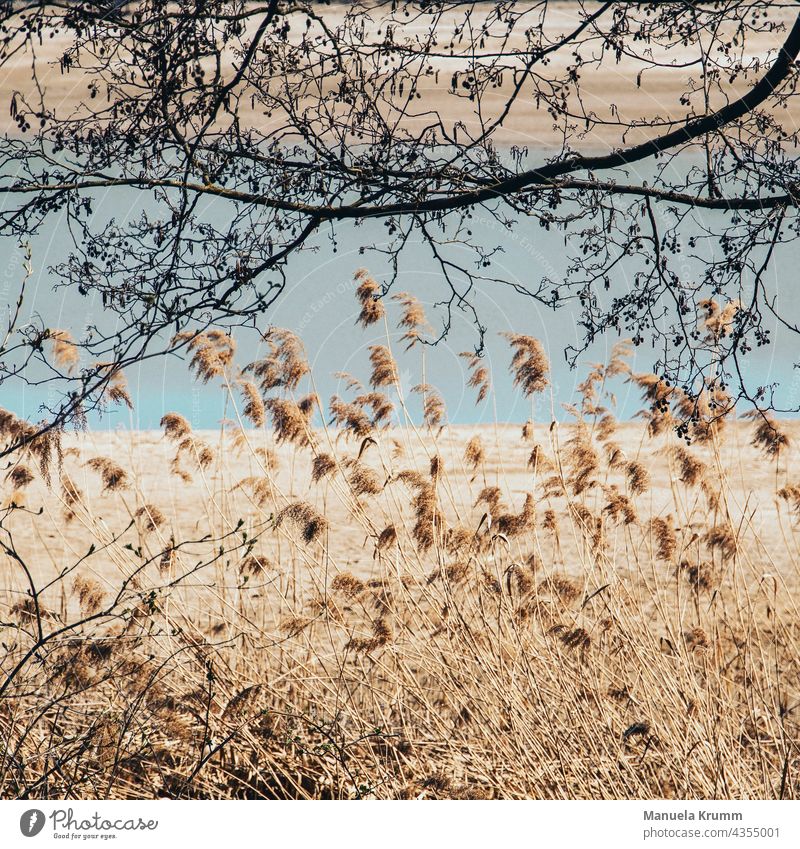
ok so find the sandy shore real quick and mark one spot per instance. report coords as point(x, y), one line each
point(223, 493)
point(612, 92)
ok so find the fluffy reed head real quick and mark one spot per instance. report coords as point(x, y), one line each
point(767, 435)
point(90, 594)
point(368, 294)
point(363, 480)
point(151, 517)
point(665, 538)
point(66, 355)
point(291, 420)
point(20, 476)
point(255, 565)
point(175, 426)
point(379, 404)
point(116, 384)
point(723, 538)
point(311, 524)
point(513, 524)
point(433, 406)
point(478, 374)
point(384, 368)
point(253, 409)
point(212, 352)
point(638, 477)
point(351, 417)
point(114, 477)
point(474, 453)
point(321, 466)
point(285, 364)
point(412, 319)
point(386, 538)
point(71, 496)
point(347, 585)
point(491, 496)
point(718, 322)
point(691, 470)
point(529, 364)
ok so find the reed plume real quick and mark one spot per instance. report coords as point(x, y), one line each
point(665, 537)
point(114, 477)
point(473, 453)
point(254, 409)
point(175, 426)
point(479, 375)
point(638, 477)
point(212, 354)
point(285, 364)
point(291, 420)
point(66, 355)
point(311, 524)
point(322, 466)
point(20, 476)
point(368, 294)
point(384, 368)
point(151, 516)
point(412, 319)
point(529, 365)
point(767, 435)
point(433, 406)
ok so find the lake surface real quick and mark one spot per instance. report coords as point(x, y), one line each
point(318, 303)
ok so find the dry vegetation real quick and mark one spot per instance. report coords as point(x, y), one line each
point(300, 609)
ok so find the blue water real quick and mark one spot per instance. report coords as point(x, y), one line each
point(318, 303)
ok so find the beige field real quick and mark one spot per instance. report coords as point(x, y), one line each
point(589, 609)
point(613, 93)
point(215, 498)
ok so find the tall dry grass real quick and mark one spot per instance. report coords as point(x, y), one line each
point(296, 608)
